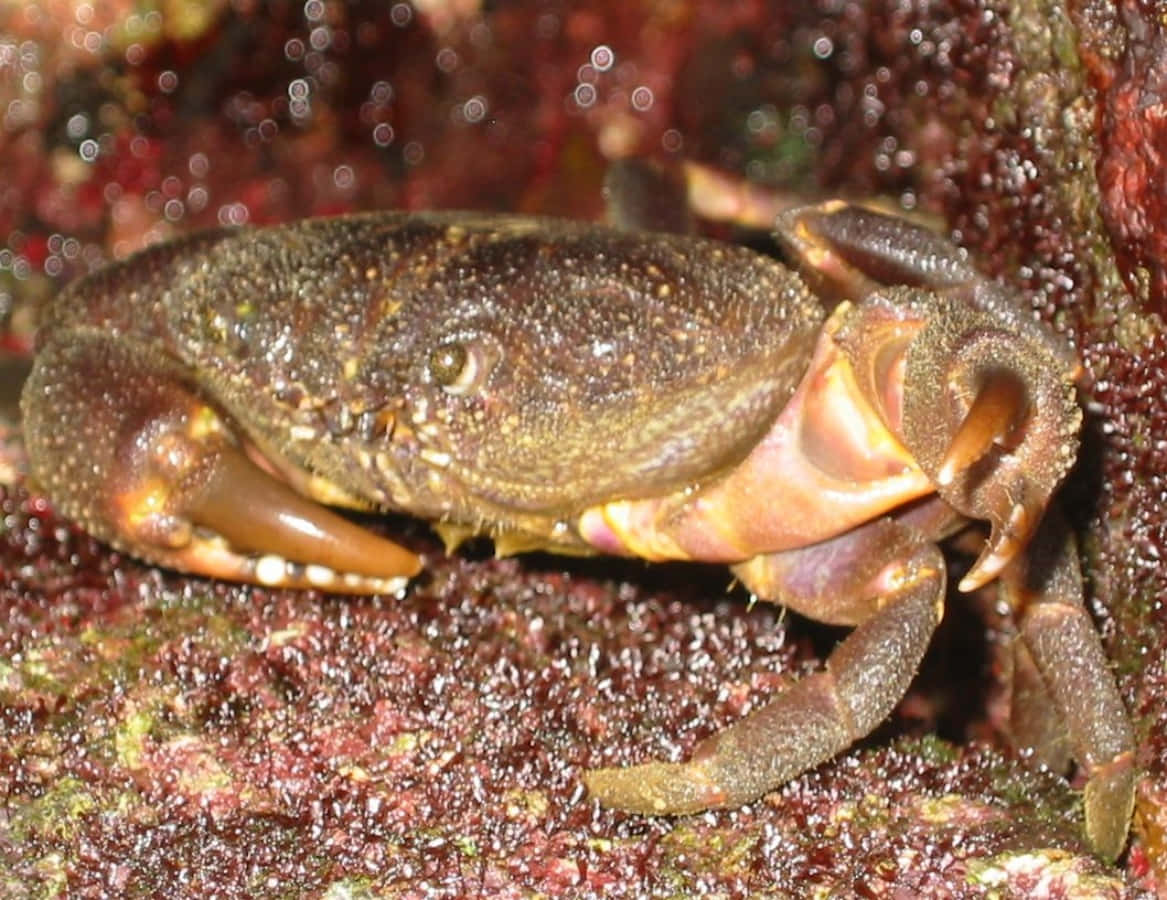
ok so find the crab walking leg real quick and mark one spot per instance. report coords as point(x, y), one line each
point(656, 196)
point(160, 476)
point(1045, 585)
point(887, 577)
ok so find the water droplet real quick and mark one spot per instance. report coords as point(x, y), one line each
point(77, 126)
point(401, 14)
point(383, 134)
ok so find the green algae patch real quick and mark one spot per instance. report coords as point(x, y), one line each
point(41, 879)
point(55, 814)
point(351, 889)
point(130, 735)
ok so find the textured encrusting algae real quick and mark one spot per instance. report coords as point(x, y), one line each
point(157, 732)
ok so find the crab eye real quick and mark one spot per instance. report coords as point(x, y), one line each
point(457, 368)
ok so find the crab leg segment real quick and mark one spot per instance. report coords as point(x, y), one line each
point(162, 478)
point(896, 590)
point(1044, 585)
point(652, 196)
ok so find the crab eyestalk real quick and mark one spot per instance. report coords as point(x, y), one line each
point(1004, 432)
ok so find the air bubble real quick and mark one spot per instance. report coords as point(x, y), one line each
point(474, 109)
point(642, 98)
point(401, 14)
point(383, 135)
point(603, 58)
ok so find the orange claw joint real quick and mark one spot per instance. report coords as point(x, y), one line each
point(991, 415)
point(983, 397)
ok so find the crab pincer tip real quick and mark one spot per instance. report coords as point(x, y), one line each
point(259, 514)
point(997, 409)
point(1004, 544)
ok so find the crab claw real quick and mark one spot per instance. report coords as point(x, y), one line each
point(184, 495)
point(161, 476)
point(269, 528)
point(995, 418)
point(1005, 542)
point(991, 415)
point(997, 410)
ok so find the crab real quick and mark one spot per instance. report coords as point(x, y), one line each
point(580, 389)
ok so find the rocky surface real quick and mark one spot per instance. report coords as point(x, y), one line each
point(162, 734)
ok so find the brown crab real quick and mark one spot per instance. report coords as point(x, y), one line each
point(582, 389)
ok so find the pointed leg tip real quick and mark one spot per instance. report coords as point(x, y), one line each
point(655, 788)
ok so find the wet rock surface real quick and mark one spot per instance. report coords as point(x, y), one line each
point(159, 733)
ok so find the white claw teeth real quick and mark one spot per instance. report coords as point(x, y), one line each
point(319, 576)
point(274, 571)
point(1013, 534)
point(392, 585)
point(271, 570)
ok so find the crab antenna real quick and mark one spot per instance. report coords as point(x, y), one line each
point(999, 405)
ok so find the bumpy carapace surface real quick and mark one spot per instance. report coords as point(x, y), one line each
point(583, 389)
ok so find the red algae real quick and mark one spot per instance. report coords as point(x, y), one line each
point(433, 742)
